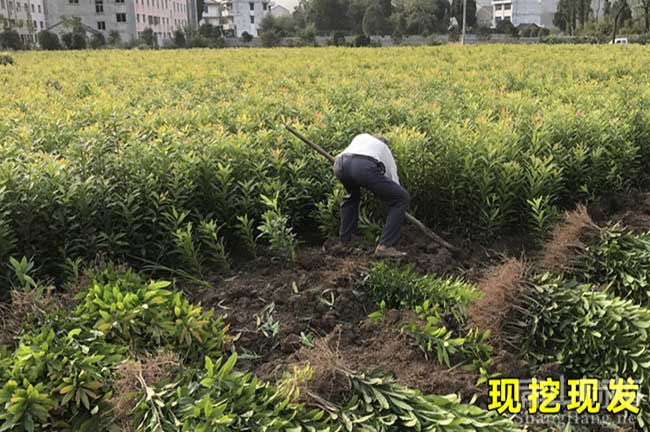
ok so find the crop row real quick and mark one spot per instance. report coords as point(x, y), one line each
point(130, 158)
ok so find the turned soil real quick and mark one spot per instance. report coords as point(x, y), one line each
point(318, 299)
point(320, 296)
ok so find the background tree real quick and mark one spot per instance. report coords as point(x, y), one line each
point(148, 38)
point(308, 34)
point(179, 38)
point(76, 38)
point(114, 38)
point(97, 41)
point(49, 41)
point(10, 39)
point(644, 5)
point(457, 12)
point(374, 22)
point(330, 15)
point(246, 37)
point(356, 11)
point(572, 14)
point(271, 31)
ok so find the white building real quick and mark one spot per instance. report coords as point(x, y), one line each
point(279, 10)
point(236, 16)
point(27, 17)
point(128, 17)
point(539, 12)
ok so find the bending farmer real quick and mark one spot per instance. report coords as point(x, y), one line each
point(368, 162)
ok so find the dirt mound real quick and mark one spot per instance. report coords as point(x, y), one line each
point(636, 214)
point(374, 345)
point(273, 305)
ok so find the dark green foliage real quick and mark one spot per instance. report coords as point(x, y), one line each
point(149, 316)
point(375, 22)
point(10, 39)
point(457, 12)
point(179, 38)
point(219, 398)
point(440, 305)
point(148, 38)
point(97, 40)
point(49, 41)
point(379, 403)
point(62, 370)
point(337, 39)
point(402, 287)
point(361, 41)
point(619, 260)
point(506, 27)
point(114, 39)
point(6, 60)
point(246, 37)
point(588, 331)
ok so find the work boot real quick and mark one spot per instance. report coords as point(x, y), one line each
point(388, 252)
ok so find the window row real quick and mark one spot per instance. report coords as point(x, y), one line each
point(265, 5)
point(178, 7)
point(505, 6)
point(20, 7)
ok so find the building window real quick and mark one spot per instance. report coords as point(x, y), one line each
point(99, 6)
point(40, 24)
point(251, 5)
point(120, 17)
point(33, 9)
point(119, 1)
point(101, 25)
point(506, 18)
point(73, 1)
point(35, 27)
point(265, 6)
point(252, 19)
point(497, 7)
point(2, 4)
point(39, 8)
point(507, 6)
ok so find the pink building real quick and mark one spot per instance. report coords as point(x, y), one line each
point(162, 16)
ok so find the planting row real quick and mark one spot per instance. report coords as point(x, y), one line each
point(174, 158)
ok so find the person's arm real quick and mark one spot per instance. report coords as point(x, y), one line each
point(391, 166)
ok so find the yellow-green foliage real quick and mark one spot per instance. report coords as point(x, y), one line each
point(103, 152)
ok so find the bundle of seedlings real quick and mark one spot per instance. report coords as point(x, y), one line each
point(374, 401)
point(62, 371)
point(438, 324)
point(614, 257)
point(546, 319)
point(589, 332)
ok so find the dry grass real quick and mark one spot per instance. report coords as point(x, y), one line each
point(329, 373)
point(22, 306)
point(498, 288)
point(566, 239)
point(136, 376)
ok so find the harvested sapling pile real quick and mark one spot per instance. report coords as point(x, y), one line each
point(440, 306)
point(614, 257)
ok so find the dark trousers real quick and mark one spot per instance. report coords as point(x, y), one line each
point(355, 172)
